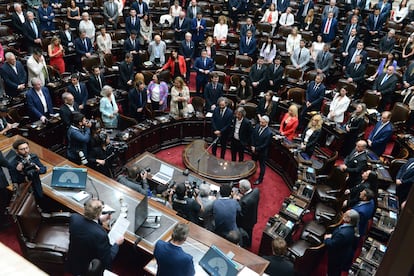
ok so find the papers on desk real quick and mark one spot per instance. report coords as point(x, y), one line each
point(209, 115)
point(80, 196)
point(118, 229)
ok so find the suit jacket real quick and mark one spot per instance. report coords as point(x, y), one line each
point(366, 211)
point(88, 240)
point(172, 260)
point(129, 27)
point(18, 26)
point(380, 138)
point(136, 100)
point(211, 96)
point(288, 129)
point(388, 87)
point(247, 49)
point(302, 7)
point(144, 8)
point(223, 124)
point(225, 213)
point(66, 114)
point(325, 12)
point(351, 53)
point(324, 63)
point(351, 45)
point(5, 164)
point(11, 79)
point(349, 27)
point(260, 109)
point(361, 5)
point(199, 64)
point(341, 247)
point(128, 46)
point(185, 51)
point(245, 131)
point(256, 75)
point(126, 73)
point(275, 76)
point(261, 142)
point(247, 217)
point(65, 40)
point(183, 29)
point(244, 28)
point(30, 34)
point(312, 141)
point(170, 65)
point(190, 13)
point(80, 48)
point(371, 23)
point(386, 9)
point(333, 28)
point(35, 106)
point(46, 18)
point(198, 35)
point(107, 13)
point(78, 140)
point(279, 265)
point(94, 88)
point(356, 163)
point(315, 97)
point(357, 75)
point(386, 44)
point(282, 5)
point(406, 175)
point(81, 98)
point(304, 58)
point(244, 94)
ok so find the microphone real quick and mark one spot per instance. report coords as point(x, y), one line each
point(94, 187)
point(215, 140)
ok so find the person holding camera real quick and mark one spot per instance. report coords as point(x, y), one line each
point(78, 135)
point(183, 202)
point(100, 156)
point(135, 179)
point(26, 167)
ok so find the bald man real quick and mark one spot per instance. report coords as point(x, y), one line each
point(261, 138)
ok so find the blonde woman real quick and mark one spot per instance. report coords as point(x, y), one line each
point(221, 30)
point(104, 42)
point(308, 23)
point(56, 52)
point(108, 107)
point(311, 134)
point(180, 95)
point(290, 122)
point(293, 41)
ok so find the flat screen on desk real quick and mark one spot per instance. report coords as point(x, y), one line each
point(294, 209)
point(216, 263)
point(141, 213)
point(68, 177)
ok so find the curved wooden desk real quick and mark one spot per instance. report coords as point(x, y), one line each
point(215, 168)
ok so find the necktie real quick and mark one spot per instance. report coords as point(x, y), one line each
point(315, 87)
point(78, 89)
point(99, 81)
point(354, 56)
point(194, 12)
point(327, 26)
point(259, 67)
point(356, 67)
point(133, 21)
point(350, 29)
point(188, 44)
point(324, 55)
point(221, 112)
point(86, 45)
point(275, 69)
point(133, 43)
point(34, 27)
point(349, 43)
point(375, 22)
point(384, 79)
point(286, 18)
point(261, 131)
point(205, 63)
point(214, 87)
point(300, 53)
point(248, 41)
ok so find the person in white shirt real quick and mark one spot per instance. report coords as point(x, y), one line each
point(36, 67)
point(87, 25)
point(271, 15)
point(338, 106)
point(174, 12)
point(104, 42)
point(400, 12)
point(317, 46)
point(293, 41)
point(287, 18)
point(268, 50)
point(221, 30)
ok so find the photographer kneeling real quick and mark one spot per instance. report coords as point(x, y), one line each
point(26, 167)
point(183, 202)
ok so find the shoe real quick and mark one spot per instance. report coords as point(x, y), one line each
point(258, 181)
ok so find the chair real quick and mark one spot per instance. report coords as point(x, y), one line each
point(221, 60)
point(395, 166)
point(126, 122)
point(330, 189)
point(165, 75)
point(250, 109)
point(43, 238)
point(373, 54)
point(89, 63)
point(306, 257)
point(292, 74)
point(399, 115)
point(147, 76)
point(326, 158)
point(371, 99)
point(297, 95)
point(233, 41)
point(243, 62)
point(198, 104)
point(169, 37)
point(264, 28)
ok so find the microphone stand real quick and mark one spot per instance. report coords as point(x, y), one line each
point(204, 152)
point(94, 187)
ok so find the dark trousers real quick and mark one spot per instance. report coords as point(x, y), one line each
point(155, 105)
point(187, 74)
point(237, 148)
point(201, 81)
point(223, 144)
point(262, 164)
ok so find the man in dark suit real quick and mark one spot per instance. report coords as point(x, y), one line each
point(304, 7)
point(249, 203)
point(350, 26)
point(39, 101)
point(374, 25)
point(314, 97)
point(212, 92)
point(408, 77)
point(68, 107)
point(248, 44)
point(353, 52)
point(78, 90)
point(221, 125)
point(181, 26)
point(171, 259)
point(349, 42)
point(18, 18)
point(282, 6)
point(187, 50)
point(257, 76)
point(96, 82)
point(404, 180)
point(83, 48)
point(341, 244)
point(19, 172)
point(366, 210)
point(88, 240)
point(110, 12)
point(193, 9)
point(384, 86)
point(141, 8)
point(203, 66)
point(32, 33)
point(355, 163)
point(381, 134)
point(324, 60)
point(13, 74)
point(235, 8)
point(132, 22)
point(275, 74)
point(329, 28)
point(247, 27)
point(131, 45)
point(241, 134)
point(137, 99)
point(387, 43)
point(46, 16)
point(355, 73)
point(279, 264)
point(198, 29)
point(261, 138)
point(358, 4)
point(126, 73)
point(331, 8)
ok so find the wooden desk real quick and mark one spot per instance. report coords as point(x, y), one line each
point(197, 159)
point(12, 263)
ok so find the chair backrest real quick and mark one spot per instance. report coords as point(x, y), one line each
point(311, 257)
point(243, 61)
point(29, 217)
point(292, 73)
point(296, 94)
point(395, 166)
point(250, 109)
point(89, 63)
point(371, 99)
point(400, 113)
point(198, 103)
point(336, 179)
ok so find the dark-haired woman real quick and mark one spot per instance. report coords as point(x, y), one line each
point(176, 65)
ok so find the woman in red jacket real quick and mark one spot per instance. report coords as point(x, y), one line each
point(176, 65)
point(289, 122)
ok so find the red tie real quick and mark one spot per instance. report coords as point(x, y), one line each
point(327, 26)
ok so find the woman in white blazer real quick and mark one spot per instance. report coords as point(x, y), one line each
point(271, 15)
point(338, 106)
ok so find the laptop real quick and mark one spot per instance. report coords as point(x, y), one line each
point(69, 178)
point(164, 175)
point(216, 263)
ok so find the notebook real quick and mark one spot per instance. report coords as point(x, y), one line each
point(164, 175)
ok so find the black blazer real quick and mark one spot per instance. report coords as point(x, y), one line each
point(279, 265)
point(261, 142)
point(3, 163)
point(355, 166)
point(246, 94)
point(93, 85)
point(129, 27)
point(275, 76)
point(81, 98)
point(247, 217)
point(356, 75)
point(185, 51)
point(388, 87)
point(136, 100)
point(66, 113)
point(183, 29)
point(212, 96)
point(29, 34)
point(351, 52)
point(256, 74)
point(260, 109)
point(129, 47)
point(223, 124)
point(64, 39)
point(312, 141)
point(126, 73)
point(345, 42)
point(245, 131)
point(18, 26)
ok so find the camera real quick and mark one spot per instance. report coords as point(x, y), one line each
point(29, 168)
point(118, 147)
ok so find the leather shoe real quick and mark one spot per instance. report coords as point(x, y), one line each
point(258, 181)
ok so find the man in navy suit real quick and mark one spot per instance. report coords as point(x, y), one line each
point(304, 7)
point(241, 134)
point(13, 74)
point(137, 99)
point(212, 92)
point(181, 26)
point(187, 50)
point(353, 52)
point(314, 97)
point(140, 7)
point(261, 138)
point(246, 27)
point(203, 66)
point(171, 259)
point(355, 71)
point(132, 22)
point(384, 86)
point(329, 28)
point(39, 101)
point(131, 45)
point(354, 24)
point(79, 91)
point(46, 16)
point(374, 25)
point(355, 163)
point(405, 180)
point(88, 240)
point(83, 48)
point(282, 5)
point(381, 134)
point(32, 32)
point(366, 209)
point(198, 28)
point(235, 8)
point(248, 44)
point(349, 42)
point(126, 73)
point(221, 125)
point(249, 203)
point(341, 242)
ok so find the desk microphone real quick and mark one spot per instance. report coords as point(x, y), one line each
point(94, 187)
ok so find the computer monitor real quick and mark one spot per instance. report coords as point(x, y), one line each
point(141, 213)
point(69, 177)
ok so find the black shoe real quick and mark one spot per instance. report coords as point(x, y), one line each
point(258, 181)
